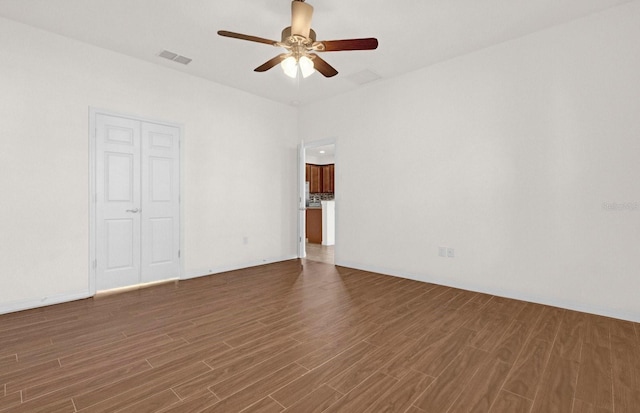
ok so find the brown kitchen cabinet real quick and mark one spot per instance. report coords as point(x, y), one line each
point(320, 177)
point(328, 178)
point(314, 225)
point(314, 176)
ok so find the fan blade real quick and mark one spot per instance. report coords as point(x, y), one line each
point(369, 43)
point(323, 67)
point(301, 14)
point(271, 63)
point(240, 36)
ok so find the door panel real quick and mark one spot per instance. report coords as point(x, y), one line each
point(119, 236)
point(302, 202)
point(160, 220)
point(119, 177)
point(160, 179)
point(161, 234)
point(117, 196)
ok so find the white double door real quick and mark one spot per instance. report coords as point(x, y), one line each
point(137, 202)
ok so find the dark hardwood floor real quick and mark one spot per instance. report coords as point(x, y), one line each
point(320, 339)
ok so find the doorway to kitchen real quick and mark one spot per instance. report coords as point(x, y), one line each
point(317, 223)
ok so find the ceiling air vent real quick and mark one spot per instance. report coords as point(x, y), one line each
point(175, 57)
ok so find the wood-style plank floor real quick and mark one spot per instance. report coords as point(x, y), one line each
point(282, 338)
point(320, 253)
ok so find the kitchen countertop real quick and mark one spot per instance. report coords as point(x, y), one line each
point(316, 206)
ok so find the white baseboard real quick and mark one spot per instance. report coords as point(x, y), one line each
point(42, 302)
point(516, 295)
point(13, 307)
point(224, 268)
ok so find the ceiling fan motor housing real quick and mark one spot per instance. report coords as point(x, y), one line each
point(286, 36)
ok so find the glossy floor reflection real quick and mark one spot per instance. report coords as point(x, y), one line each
point(320, 253)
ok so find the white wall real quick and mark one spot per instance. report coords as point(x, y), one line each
point(48, 83)
point(507, 155)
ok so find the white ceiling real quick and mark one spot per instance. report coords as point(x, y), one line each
point(321, 155)
point(412, 34)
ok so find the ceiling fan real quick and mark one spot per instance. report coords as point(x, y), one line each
point(300, 43)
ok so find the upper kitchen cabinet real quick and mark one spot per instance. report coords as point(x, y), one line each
point(320, 178)
point(327, 178)
point(314, 177)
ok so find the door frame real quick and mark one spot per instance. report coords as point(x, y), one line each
point(93, 112)
point(302, 253)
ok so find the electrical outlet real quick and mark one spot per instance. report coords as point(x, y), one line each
point(442, 252)
point(245, 240)
point(450, 253)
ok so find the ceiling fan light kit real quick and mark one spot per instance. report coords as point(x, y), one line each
point(306, 66)
point(299, 41)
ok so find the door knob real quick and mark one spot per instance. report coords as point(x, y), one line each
point(133, 210)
